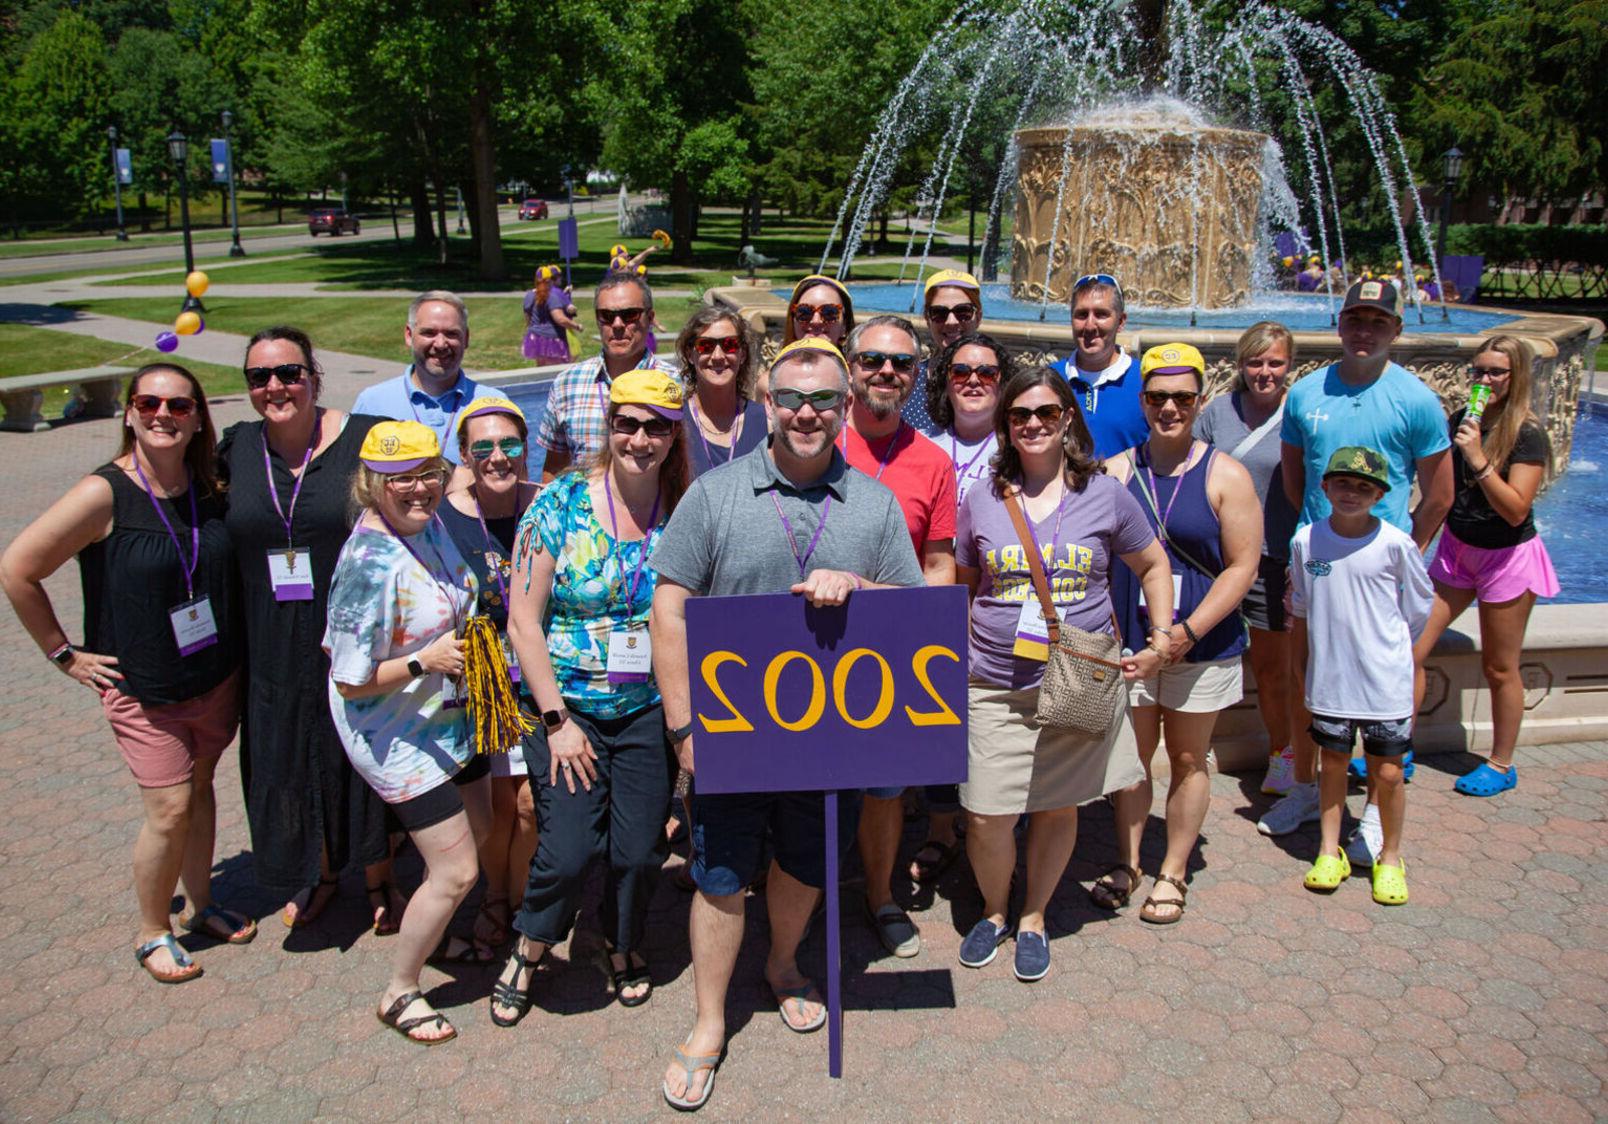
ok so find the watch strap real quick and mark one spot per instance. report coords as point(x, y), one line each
point(679, 734)
point(415, 668)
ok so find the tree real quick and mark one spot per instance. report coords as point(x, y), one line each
point(55, 124)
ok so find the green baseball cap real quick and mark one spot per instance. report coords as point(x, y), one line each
point(1361, 462)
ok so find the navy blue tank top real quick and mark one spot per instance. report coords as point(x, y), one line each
point(1195, 528)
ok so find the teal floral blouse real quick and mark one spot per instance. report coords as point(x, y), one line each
point(590, 579)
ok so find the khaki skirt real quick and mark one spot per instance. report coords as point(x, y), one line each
point(1015, 765)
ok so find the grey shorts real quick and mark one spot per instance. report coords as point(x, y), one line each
point(1382, 737)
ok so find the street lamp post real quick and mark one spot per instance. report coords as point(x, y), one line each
point(1452, 166)
point(117, 182)
point(235, 249)
point(179, 150)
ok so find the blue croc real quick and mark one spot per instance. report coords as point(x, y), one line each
point(1032, 956)
point(1358, 768)
point(1407, 767)
point(1487, 780)
point(982, 943)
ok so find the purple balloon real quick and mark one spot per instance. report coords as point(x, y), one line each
point(167, 341)
point(201, 325)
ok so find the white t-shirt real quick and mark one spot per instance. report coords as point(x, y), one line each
point(1365, 600)
point(973, 460)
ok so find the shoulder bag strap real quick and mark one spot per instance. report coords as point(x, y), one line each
point(1161, 527)
point(1254, 437)
point(1035, 564)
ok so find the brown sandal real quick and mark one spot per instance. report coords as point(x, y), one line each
point(1147, 912)
point(1104, 892)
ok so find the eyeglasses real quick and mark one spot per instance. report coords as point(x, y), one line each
point(1096, 279)
point(902, 361)
point(627, 426)
point(705, 345)
point(829, 313)
point(512, 447)
point(824, 401)
point(962, 313)
point(289, 374)
point(624, 315)
point(987, 373)
point(1156, 399)
point(1490, 372)
point(148, 405)
point(412, 482)
point(1049, 414)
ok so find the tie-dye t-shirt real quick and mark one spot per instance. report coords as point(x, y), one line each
point(590, 579)
point(383, 603)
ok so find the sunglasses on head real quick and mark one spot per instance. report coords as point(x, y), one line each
point(1156, 399)
point(626, 426)
point(288, 374)
point(705, 345)
point(1096, 279)
point(987, 373)
point(824, 401)
point(902, 361)
point(512, 447)
point(624, 315)
point(829, 313)
point(1049, 414)
point(148, 405)
point(435, 478)
point(962, 313)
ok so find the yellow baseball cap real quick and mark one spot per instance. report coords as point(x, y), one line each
point(491, 404)
point(399, 446)
point(810, 343)
point(648, 387)
point(1171, 359)
point(955, 278)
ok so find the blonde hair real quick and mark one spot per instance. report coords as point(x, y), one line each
point(1259, 339)
point(368, 485)
point(1514, 409)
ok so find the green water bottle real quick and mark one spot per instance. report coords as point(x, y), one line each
point(1479, 396)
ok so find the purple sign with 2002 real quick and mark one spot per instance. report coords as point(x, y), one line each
point(788, 697)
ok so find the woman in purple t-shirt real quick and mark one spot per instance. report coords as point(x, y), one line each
point(1080, 519)
point(547, 319)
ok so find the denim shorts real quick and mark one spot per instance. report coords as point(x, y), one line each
point(729, 832)
point(1382, 737)
point(941, 798)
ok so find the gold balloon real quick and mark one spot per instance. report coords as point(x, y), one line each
point(188, 324)
point(196, 283)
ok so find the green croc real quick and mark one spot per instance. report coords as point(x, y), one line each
point(1328, 872)
point(1390, 884)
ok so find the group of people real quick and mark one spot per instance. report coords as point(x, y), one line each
point(346, 589)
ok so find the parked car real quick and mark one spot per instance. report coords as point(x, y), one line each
point(533, 209)
point(331, 221)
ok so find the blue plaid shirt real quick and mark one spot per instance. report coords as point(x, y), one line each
point(577, 406)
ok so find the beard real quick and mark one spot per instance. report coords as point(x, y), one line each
point(877, 407)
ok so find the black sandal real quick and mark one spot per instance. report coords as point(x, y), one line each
point(632, 975)
point(471, 952)
point(1104, 892)
point(391, 926)
point(405, 1027)
point(510, 994)
point(319, 896)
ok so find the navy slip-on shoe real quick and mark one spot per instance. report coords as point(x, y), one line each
point(1032, 956)
point(982, 943)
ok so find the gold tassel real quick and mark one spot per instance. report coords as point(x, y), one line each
point(494, 714)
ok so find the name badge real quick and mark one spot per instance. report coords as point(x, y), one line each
point(630, 656)
point(290, 572)
point(1032, 632)
point(193, 626)
point(512, 658)
point(1178, 596)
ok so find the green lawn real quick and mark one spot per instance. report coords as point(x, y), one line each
point(26, 350)
point(372, 325)
point(31, 249)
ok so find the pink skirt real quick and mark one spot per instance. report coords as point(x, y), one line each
point(1496, 576)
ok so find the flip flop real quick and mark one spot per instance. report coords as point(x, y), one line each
point(694, 1064)
point(1487, 780)
point(1104, 892)
point(320, 894)
point(800, 994)
point(188, 968)
point(392, 925)
point(392, 1017)
point(242, 929)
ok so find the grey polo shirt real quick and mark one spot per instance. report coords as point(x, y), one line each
point(726, 538)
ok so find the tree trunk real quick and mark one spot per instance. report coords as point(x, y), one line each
point(882, 233)
point(396, 229)
point(681, 204)
point(483, 159)
point(419, 201)
point(756, 205)
point(441, 216)
point(145, 215)
point(991, 248)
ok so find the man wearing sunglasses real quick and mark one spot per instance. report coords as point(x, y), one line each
point(573, 425)
point(1104, 377)
point(433, 390)
point(952, 305)
point(790, 516)
point(883, 445)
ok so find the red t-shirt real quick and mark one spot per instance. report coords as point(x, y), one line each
point(920, 475)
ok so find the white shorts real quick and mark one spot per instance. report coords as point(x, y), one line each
point(1192, 688)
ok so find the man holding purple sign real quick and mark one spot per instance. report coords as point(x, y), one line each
point(792, 517)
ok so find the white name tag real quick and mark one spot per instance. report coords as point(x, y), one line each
point(290, 572)
point(193, 626)
point(630, 656)
point(1178, 595)
point(1032, 632)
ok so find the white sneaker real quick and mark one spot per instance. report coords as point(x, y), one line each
point(1299, 806)
point(1280, 772)
point(1367, 841)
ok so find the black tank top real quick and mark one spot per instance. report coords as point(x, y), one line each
point(133, 579)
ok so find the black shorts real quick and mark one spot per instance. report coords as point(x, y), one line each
point(442, 802)
point(1263, 606)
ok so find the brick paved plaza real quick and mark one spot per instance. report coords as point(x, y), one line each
point(1485, 998)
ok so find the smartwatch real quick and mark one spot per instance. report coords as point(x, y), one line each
point(679, 734)
point(63, 655)
point(552, 719)
point(415, 668)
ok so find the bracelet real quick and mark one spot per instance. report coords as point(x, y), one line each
point(1189, 632)
point(55, 653)
point(1484, 472)
point(1155, 628)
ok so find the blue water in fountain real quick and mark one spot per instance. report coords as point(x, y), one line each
point(1573, 515)
point(1296, 311)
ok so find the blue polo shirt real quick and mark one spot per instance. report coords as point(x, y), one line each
point(1110, 405)
point(401, 400)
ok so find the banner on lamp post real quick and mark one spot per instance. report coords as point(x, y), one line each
point(220, 161)
point(125, 167)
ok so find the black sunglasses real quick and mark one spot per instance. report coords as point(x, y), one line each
point(962, 313)
point(822, 401)
point(1156, 399)
point(288, 374)
point(987, 373)
point(627, 426)
point(625, 315)
point(902, 361)
point(1049, 414)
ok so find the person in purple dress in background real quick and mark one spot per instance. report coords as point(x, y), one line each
point(547, 319)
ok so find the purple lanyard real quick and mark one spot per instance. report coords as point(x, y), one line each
point(445, 587)
point(407, 389)
point(803, 560)
point(1179, 487)
point(614, 528)
point(736, 432)
point(195, 526)
point(1055, 535)
point(295, 493)
point(887, 454)
point(954, 455)
point(492, 547)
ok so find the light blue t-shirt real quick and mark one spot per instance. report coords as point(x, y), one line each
point(1396, 414)
point(401, 400)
